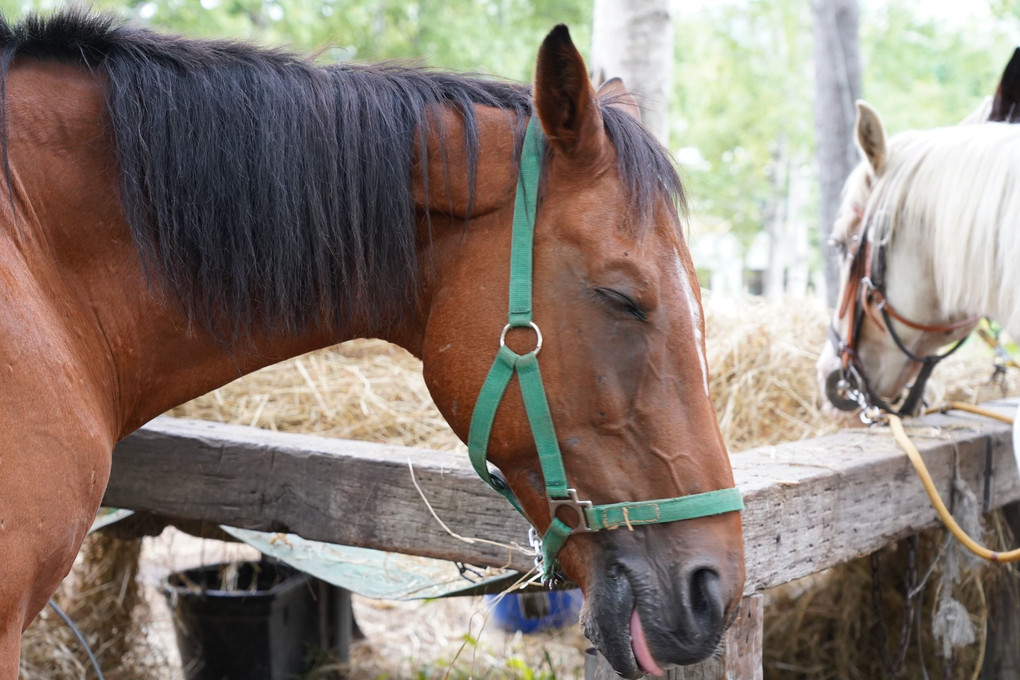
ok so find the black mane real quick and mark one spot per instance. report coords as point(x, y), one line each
point(265, 191)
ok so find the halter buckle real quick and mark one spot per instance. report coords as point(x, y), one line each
point(577, 506)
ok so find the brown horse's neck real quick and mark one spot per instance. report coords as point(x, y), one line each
point(188, 364)
point(137, 351)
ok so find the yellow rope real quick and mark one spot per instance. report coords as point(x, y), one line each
point(896, 425)
point(970, 408)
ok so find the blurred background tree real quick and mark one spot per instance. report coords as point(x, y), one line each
point(741, 91)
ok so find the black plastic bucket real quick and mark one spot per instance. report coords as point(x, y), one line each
point(260, 629)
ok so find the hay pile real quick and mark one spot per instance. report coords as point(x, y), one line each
point(761, 355)
point(104, 599)
point(364, 389)
point(824, 627)
point(761, 358)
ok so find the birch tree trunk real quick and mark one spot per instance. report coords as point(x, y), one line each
point(837, 86)
point(633, 40)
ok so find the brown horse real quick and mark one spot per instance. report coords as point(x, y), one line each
point(178, 213)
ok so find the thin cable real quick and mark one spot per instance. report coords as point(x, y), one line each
point(81, 638)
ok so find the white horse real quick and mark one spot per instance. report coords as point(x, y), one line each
point(945, 196)
point(929, 229)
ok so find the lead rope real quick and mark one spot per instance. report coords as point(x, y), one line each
point(900, 435)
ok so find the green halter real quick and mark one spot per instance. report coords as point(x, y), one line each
point(508, 362)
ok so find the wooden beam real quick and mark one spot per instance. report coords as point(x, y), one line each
point(820, 502)
point(810, 504)
point(340, 491)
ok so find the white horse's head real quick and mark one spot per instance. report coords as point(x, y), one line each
point(889, 324)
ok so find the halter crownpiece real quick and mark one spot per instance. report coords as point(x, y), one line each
point(508, 363)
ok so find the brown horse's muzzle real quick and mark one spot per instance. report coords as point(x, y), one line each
point(652, 603)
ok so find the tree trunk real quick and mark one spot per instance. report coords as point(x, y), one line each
point(837, 87)
point(633, 40)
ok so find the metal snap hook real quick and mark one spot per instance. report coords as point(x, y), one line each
point(872, 415)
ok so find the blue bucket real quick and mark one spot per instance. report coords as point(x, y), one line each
point(541, 610)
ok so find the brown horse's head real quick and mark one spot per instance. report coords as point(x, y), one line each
point(623, 361)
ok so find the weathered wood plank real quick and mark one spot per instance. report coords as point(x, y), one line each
point(1002, 651)
point(349, 492)
point(810, 504)
point(821, 502)
point(744, 642)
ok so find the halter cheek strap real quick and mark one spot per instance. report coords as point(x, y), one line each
point(525, 366)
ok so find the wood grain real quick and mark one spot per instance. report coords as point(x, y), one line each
point(810, 504)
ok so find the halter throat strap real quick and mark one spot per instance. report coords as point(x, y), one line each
point(561, 497)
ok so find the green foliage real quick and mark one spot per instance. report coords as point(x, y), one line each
point(744, 92)
point(743, 100)
point(498, 37)
point(923, 72)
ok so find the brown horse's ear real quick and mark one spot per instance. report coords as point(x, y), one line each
point(1006, 105)
point(871, 136)
point(565, 99)
point(615, 93)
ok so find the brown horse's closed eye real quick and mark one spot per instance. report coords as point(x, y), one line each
point(176, 212)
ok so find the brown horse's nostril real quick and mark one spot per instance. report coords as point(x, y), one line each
point(707, 605)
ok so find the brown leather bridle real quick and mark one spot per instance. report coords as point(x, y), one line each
point(847, 388)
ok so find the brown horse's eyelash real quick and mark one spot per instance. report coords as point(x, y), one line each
point(622, 302)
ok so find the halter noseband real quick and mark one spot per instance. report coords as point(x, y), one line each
point(848, 388)
point(589, 517)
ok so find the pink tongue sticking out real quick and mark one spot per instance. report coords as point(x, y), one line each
point(639, 644)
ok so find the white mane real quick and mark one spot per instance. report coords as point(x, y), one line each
point(980, 114)
point(961, 187)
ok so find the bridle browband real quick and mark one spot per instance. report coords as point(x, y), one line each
point(589, 517)
point(848, 388)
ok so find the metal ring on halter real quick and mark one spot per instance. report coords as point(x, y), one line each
point(534, 327)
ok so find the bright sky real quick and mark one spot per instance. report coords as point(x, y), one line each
point(952, 10)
